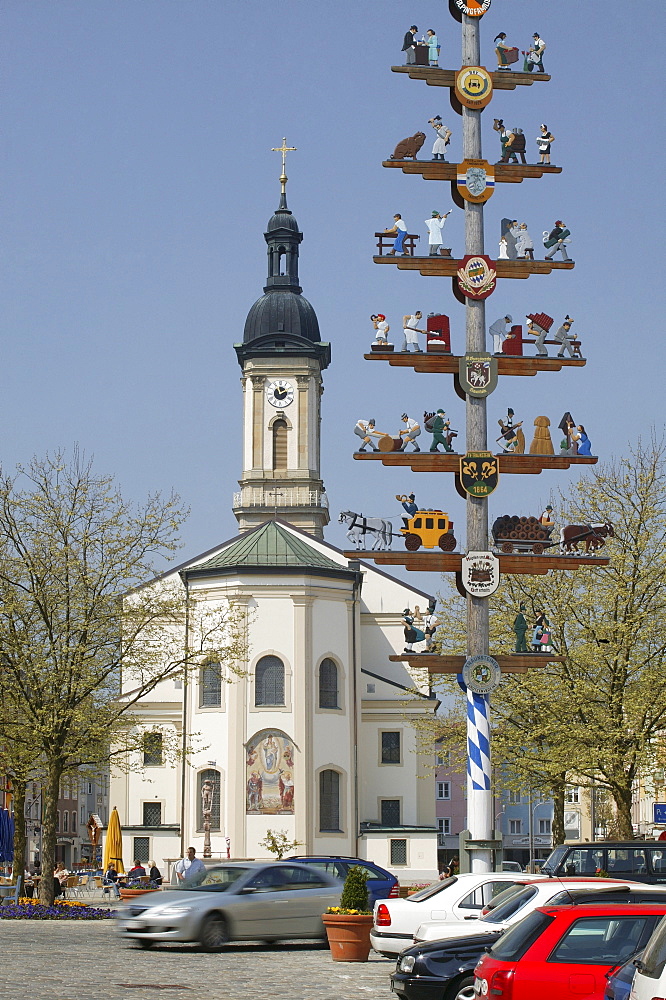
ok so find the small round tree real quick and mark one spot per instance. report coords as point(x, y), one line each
point(355, 891)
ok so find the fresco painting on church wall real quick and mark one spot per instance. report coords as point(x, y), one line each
point(270, 773)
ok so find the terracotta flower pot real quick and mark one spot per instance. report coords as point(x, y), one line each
point(348, 936)
point(130, 893)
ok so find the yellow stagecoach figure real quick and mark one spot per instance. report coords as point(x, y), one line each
point(430, 528)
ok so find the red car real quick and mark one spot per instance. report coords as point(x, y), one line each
point(564, 952)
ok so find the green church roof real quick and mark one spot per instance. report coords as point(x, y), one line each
point(270, 545)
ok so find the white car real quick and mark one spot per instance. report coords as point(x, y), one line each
point(650, 976)
point(456, 899)
point(516, 903)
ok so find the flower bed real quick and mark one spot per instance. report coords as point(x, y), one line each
point(62, 909)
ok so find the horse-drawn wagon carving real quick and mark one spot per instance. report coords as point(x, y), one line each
point(512, 533)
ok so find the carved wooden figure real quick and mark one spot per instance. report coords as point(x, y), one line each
point(443, 138)
point(511, 438)
point(362, 531)
point(520, 630)
point(592, 536)
point(409, 147)
point(409, 432)
point(541, 444)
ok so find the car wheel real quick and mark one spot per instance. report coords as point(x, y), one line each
point(214, 933)
point(463, 990)
point(145, 943)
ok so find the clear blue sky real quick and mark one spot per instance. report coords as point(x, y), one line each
point(138, 180)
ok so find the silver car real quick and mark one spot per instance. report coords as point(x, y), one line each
point(239, 901)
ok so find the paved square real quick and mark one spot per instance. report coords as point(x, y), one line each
point(71, 961)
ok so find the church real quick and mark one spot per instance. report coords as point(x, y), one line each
point(315, 740)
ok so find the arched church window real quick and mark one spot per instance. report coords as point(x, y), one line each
point(210, 685)
point(328, 684)
point(209, 796)
point(269, 681)
point(280, 444)
point(329, 800)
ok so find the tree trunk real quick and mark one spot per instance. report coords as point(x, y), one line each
point(558, 790)
point(18, 788)
point(622, 797)
point(50, 793)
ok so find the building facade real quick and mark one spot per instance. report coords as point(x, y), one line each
point(316, 739)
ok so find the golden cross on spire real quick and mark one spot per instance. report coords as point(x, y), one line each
point(284, 149)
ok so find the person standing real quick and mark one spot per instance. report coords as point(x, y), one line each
point(410, 328)
point(409, 46)
point(499, 333)
point(520, 630)
point(410, 432)
point(544, 141)
point(433, 47)
point(441, 432)
point(382, 328)
point(443, 138)
point(190, 869)
point(536, 53)
point(435, 225)
point(399, 230)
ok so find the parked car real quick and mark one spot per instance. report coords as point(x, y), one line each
point(455, 898)
point(440, 970)
point(639, 860)
point(511, 866)
point(514, 904)
point(620, 980)
point(650, 976)
point(565, 952)
point(381, 884)
point(444, 970)
point(238, 901)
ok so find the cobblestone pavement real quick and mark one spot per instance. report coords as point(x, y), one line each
point(47, 960)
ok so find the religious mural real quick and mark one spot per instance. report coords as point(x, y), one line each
point(270, 773)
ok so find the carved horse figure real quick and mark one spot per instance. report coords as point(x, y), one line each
point(593, 536)
point(360, 526)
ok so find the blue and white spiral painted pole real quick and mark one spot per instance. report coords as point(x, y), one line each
point(478, 741)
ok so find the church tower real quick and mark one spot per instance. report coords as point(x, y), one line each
point(282, 358)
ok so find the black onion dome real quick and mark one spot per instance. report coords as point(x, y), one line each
point(282, 321)
point(281, 313)
point(282, 219)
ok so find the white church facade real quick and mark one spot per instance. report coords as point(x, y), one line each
point(316, 738)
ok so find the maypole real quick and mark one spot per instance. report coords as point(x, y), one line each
point(519, 544)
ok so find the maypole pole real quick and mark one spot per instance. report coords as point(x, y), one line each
point(479, 791)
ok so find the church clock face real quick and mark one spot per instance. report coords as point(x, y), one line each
point(280, 393)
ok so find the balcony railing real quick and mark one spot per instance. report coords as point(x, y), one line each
point(299, 496)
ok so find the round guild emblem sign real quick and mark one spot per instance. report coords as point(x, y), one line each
point(473, 8)
point(481, 674)
point(474, 87)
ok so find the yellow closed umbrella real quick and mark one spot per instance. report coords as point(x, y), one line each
point(113, 845)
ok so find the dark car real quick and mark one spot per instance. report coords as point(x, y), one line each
point(638, 860)
point(381, 884)
point(440, 970)
point(620, 980)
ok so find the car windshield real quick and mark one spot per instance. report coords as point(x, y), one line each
point(553, 860)
point(432, 890)
point(515, 902)
point(219, 879)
